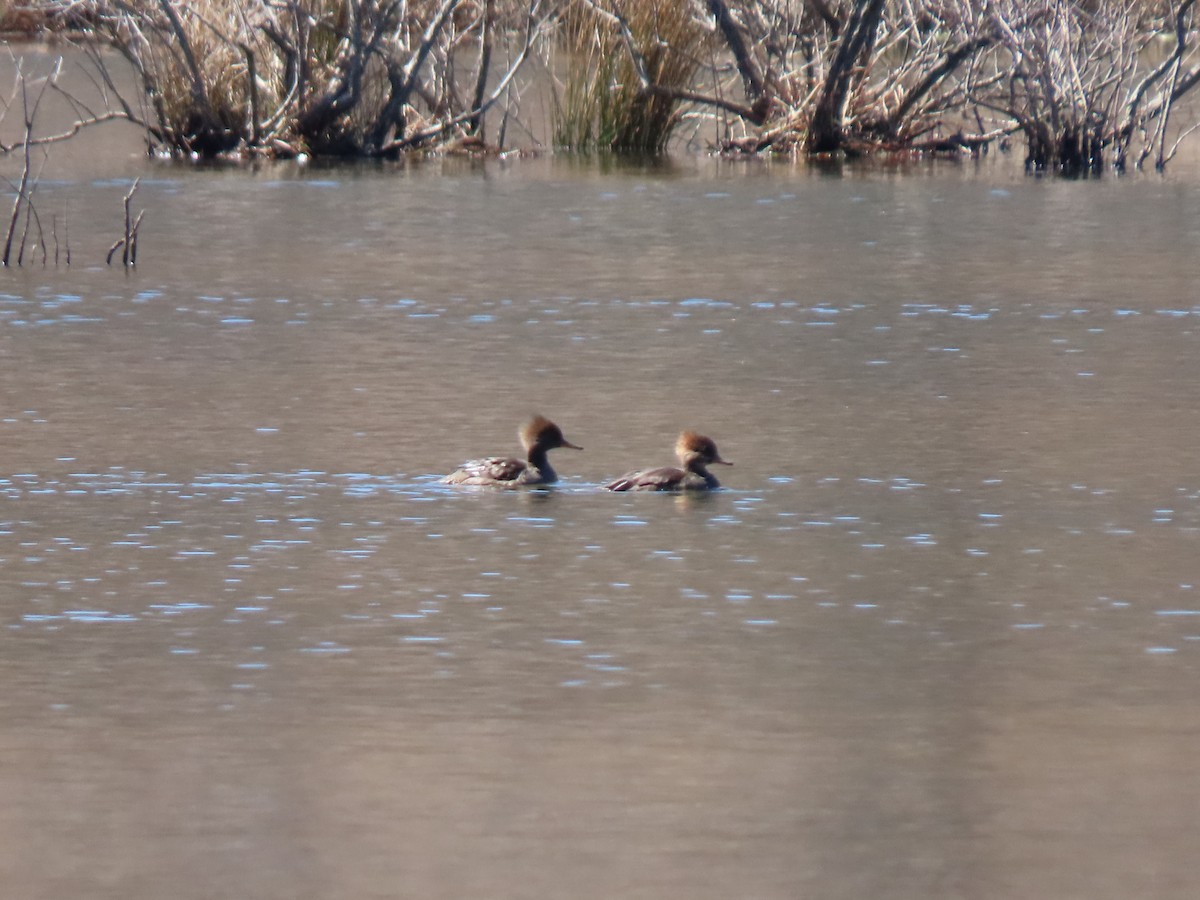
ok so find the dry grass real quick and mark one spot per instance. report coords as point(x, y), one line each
point(624, 66)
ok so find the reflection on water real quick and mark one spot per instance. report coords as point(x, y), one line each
point(938, 637)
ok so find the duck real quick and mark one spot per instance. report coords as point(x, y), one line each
point(538, 436)
point(695, 451)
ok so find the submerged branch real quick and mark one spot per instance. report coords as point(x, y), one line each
point(23, 198)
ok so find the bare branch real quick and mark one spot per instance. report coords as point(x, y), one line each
point(754, 81)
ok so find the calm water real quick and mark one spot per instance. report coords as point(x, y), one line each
point(940, 636)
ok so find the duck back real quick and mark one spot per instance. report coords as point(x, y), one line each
point(664, 478)
point(498, 470)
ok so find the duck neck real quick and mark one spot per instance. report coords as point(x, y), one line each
point(539, 458)
point(697, 467)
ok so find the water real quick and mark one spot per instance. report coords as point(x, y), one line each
point(939, 637)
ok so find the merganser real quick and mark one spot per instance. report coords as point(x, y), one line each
point(538, 436)
point(695, 452)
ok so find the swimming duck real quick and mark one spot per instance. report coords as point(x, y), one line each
point(538, 436)
point(695, 452)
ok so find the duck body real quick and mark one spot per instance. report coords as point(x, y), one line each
point(695, 451)
point(538, 436)
point(499, 470)
point(664, 478)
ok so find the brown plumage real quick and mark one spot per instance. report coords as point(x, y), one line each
point(695, 451)
point(538, 436)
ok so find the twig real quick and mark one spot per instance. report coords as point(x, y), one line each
point(127, 243)
point(24, 193)
point(133, 238)
point(120, 242)
point(19, 199)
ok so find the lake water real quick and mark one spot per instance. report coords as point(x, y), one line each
point(939, 637)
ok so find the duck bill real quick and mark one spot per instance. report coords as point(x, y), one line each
point(570, 446)
point(722, 462)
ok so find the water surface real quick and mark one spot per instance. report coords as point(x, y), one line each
point(938, 637)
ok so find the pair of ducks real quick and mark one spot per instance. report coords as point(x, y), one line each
point(539, 436)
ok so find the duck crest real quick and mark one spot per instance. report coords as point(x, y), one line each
point(693, 442)
point(537, 431)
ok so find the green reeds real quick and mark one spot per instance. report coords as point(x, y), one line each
point(628, 63)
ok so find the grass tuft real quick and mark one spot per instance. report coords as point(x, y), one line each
point(604, 104)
